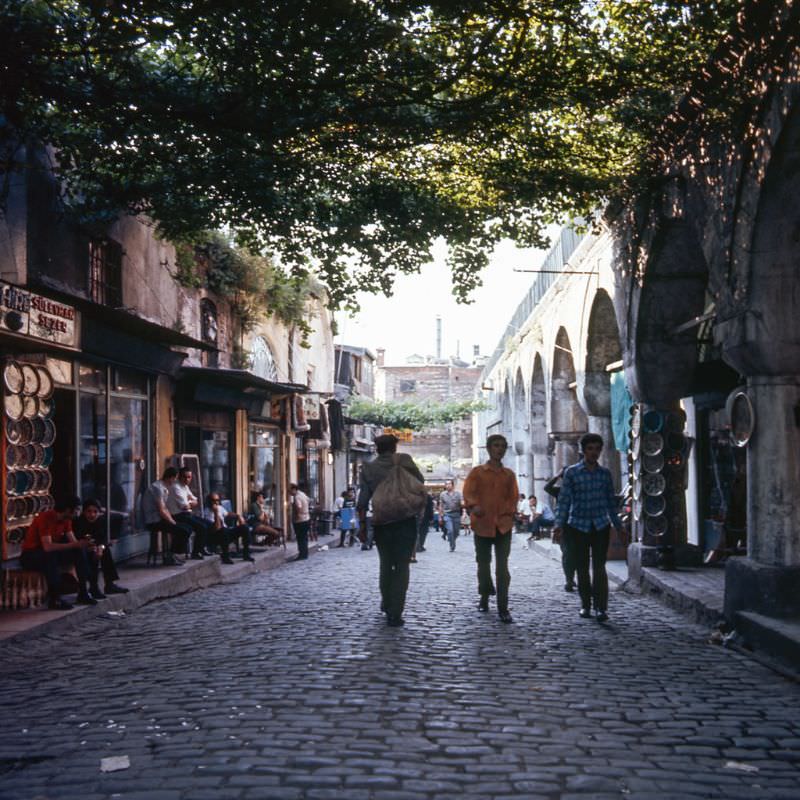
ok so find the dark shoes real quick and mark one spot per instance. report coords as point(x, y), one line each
point(585, 613)
point(505, 617)
point(395, 622)
point(296, 558)
point(420, 549)
point(85, 599)
point(227, 560)
point(197, 556)
point(59, 605)
point(364, 547)
point(97, 594)
point(172, 561)
point(569, 586)
point(112, 588)
point(248, 558)
point(602, 616)
point(483, 605)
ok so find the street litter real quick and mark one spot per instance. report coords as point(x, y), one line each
point(114, 763)
point(115, 613)
point(323, 548)
point(741, 767)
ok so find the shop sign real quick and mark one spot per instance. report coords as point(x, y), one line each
point(27, 314)
point(401, 434)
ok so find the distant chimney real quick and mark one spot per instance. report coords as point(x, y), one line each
point(476, 350)
point(438, 337)
point(380, 352)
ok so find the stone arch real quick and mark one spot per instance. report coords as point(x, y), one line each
point(541, 460)
point(603, 347)
point(519, 444)
point(567, 418)
point(673, 293)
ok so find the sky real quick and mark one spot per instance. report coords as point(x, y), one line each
point(405, 323)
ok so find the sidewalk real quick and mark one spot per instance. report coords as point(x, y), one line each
point(147, 584)
point(699, 593)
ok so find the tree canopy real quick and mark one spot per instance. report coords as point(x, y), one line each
point(348, 134)
point(415, 416)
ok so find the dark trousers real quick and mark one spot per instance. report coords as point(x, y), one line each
point(199, 526)
point(178, 537)
point(105, 562)
point(301, 534)
point(241, 532)
point(567, 545)
point(51, 563)
point(395, 543)
point(591, 545)
point(501, 544)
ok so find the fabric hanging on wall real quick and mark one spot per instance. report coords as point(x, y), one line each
point(621, 402)
point(300, 423)
point(336, 420)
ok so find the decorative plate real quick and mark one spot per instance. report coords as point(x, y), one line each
point(30, 406)
point(656, 526)
point(637, 509)
point(636, 419)
point(30, 380)
point(652, 421)
point(11, 483)
point(48, 457)
point(13, 431)
point(12, 377)
point(45, 382)
point(636, 446)
point(655, 505)
point(16, 535)
point(652, 443)
point(14, 406)
point(49, 433)
point(38, 427)
point(653, 463)
point(654, 484)
point(45, 407)
point(636, 468)
point(26, 431)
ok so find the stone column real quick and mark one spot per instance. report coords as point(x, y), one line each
point(609, 458)
point(768, 580)
point(542, 472)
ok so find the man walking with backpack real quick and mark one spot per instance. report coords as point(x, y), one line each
point(394, 537)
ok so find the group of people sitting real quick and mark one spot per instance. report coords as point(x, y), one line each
point(170, 507)
point(73, 536)
point(70, 536)
point(533, 519)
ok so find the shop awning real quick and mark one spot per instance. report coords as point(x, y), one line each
point(243, 380)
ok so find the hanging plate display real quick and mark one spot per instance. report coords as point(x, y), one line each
point(49, 433)
point(47, 503)
point(653, 463)
point(30, 378)
point(655, 505)
point(30, 406)
point(14, 406)
point(637, 488)
point(23, 482)
point(45, 382)
point(636, 468)
point(11, 483)
point(48, 457)
point(19, 508)
point(39, 428)
point(10, 509)
point(16, 535)
point(636, 446)
point(637, 509)
point(653, 484)
point(38, 458)
point(12, 456)
point(26, 431)
point(652, 444)
point(656, 526)
point(12, 377)
point(652, 421)
point(29, 506)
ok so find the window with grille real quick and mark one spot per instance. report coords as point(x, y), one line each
point(105, 272)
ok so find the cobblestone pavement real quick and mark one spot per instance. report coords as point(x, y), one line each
point(289, 685)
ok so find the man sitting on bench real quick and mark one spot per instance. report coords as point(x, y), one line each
point(50, 545)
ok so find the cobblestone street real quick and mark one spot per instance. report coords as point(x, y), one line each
point(290, 685)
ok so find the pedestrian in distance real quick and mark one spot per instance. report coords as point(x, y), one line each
point(301, 520)
point(587, 511)
point(553, 488)
point(450, 503)
point(395, 540)
point(490, 496)
point(425, 520)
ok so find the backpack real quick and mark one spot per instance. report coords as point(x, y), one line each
point(398, 496)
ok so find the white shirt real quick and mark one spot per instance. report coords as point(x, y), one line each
point(524, 508)
point(300, 504)
point(180, 498)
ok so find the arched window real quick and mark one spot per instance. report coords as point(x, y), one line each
point(263, 361)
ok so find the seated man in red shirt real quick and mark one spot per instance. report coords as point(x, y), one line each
point(49, 545)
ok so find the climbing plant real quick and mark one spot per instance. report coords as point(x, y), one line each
point(411, 415)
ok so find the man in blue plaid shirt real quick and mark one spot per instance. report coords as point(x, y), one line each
point(587, 510)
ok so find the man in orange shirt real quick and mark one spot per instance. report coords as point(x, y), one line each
point(50, 544)
point(490, 495)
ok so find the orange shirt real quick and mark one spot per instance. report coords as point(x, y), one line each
point(46, 523)
point(495, 490)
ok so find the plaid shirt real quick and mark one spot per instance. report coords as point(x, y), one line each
point(587, 499)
